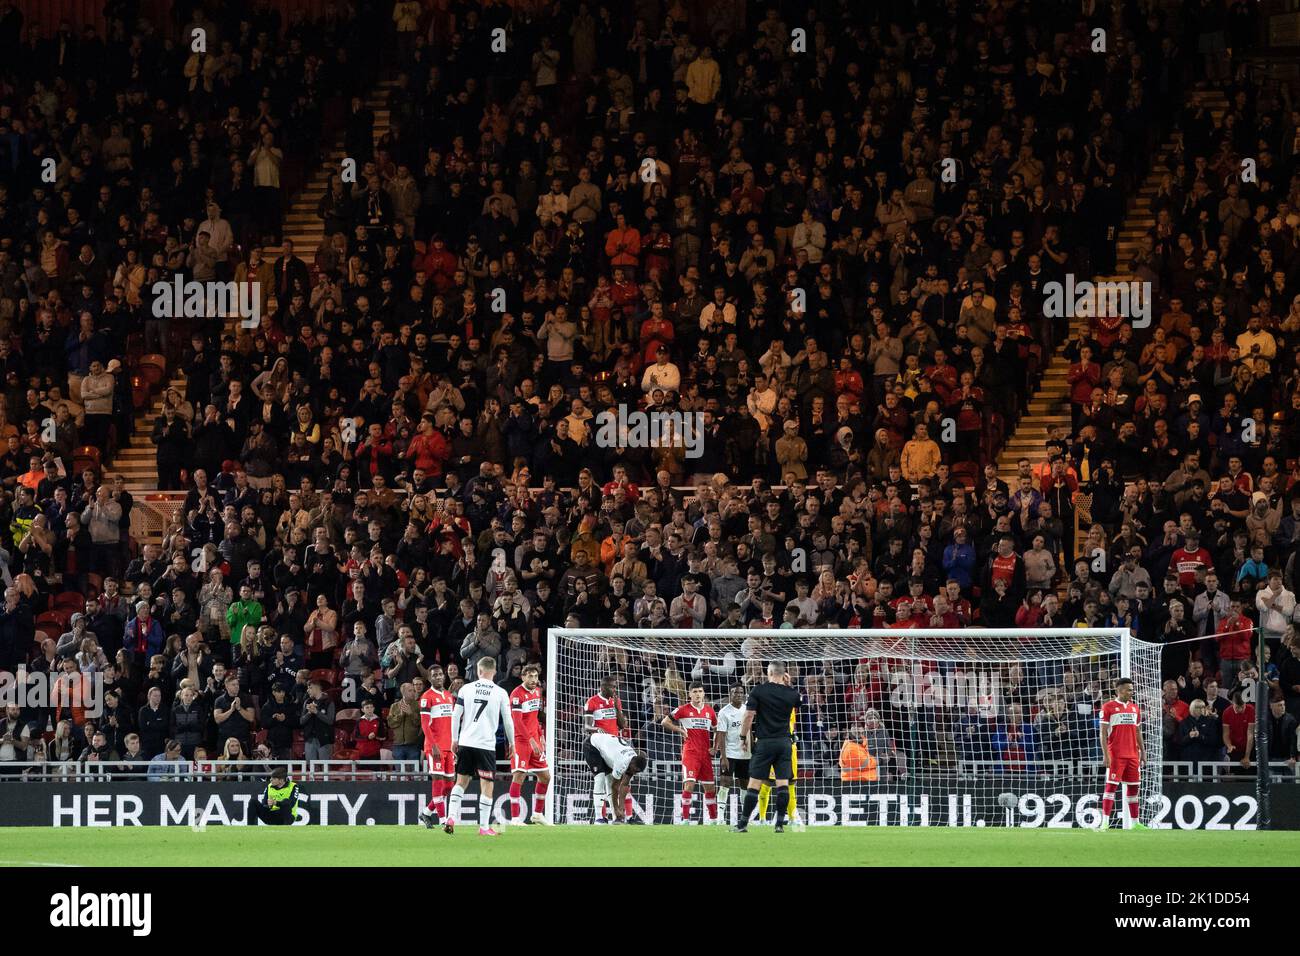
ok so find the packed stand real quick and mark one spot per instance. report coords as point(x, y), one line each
point(401, 469)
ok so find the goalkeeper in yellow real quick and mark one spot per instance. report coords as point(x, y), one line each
point(765, 790)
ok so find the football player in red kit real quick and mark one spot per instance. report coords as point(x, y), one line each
point(1121, 750)
point(696, 722)
point(530, 749)
point(436, 707)
point(603, 714)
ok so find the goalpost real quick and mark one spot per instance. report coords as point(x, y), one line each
point(912, 727)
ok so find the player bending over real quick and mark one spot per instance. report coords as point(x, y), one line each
point(436, 707)
point(530, 749)
point(481, 709)
point(1121, 752)
point(696, 721)
point(734, 749)
point(603, 713)
point(618, 764)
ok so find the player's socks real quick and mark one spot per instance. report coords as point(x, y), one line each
point(686, 806)
point(723, 793)
point(516, 803)
point(628, 809)
point(764, 794)
point(1131, 816)
point(792, 810)
point(485, 813)
point(782, 798)
point(747, 810)
point(453, 809)
point(1108, 801)
point(539, 799)
point(711, 807)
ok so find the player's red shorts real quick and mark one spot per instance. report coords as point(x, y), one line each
point(443, 766)
point(526, 760)
point(1122, 770)
point(699, 769)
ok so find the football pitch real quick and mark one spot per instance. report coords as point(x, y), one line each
point(633, 846)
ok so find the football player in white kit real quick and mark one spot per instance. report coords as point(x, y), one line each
point(481, 708)
point(621, 764)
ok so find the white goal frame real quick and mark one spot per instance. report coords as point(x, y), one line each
point(998, 646)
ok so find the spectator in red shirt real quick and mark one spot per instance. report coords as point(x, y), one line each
point(1084, 376)
point(1191, 561)
point(1239, 730)
point(369, 730)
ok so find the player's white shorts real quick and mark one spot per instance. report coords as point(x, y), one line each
point(444, 765)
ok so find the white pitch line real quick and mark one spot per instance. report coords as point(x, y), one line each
point(37, 863)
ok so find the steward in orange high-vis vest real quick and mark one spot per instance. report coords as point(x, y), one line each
point(857, 763)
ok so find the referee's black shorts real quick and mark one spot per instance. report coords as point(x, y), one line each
point(475, 762)
point(771, 756)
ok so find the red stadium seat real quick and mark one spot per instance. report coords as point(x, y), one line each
point(60, 619)
point(967, 472)
point(87, 456)
point(325, 675)
point(153, 370)
point(71, 600)
point(348, 713)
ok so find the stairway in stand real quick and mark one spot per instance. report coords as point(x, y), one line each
point(136, 461)
point(1049, 406)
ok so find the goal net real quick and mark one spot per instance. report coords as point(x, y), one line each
point(971, 727)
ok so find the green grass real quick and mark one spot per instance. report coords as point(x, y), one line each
point(633, 846)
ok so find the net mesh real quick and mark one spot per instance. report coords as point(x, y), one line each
point(900, 727)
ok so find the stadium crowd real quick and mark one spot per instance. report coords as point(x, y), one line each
point(831, 256)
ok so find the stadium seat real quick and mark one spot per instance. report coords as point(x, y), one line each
point(153, 370)
point(86, 456)
point(94, 584)
point(325, 675)
point(56, 618)
point(70, 600)
point(967, 472)
point(348, 713)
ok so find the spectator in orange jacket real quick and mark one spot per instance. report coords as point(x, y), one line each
point(623, 244)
